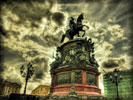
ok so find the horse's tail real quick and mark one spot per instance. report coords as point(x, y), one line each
point(63, 37)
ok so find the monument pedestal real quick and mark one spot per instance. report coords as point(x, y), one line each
point(81, 87)
point(75, 70)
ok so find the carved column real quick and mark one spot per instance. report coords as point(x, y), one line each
point(53, 80)
point(83, 77)
point(97, 81)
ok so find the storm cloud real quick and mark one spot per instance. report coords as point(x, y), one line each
point(113, 62)
point(2, 69)
point(58, 18)
point(77, 1)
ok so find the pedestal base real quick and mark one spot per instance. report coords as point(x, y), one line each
point(77, 97)
point(52, 97)
point(81, 89)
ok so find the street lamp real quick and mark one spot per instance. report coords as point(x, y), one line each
point(116, 78)
point(26, 73)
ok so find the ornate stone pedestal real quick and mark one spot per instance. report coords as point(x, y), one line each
point(74, 71)
point(85, 80)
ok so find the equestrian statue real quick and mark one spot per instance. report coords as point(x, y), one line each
point(75, 28)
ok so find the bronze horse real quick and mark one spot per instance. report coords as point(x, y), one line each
point(70, 33)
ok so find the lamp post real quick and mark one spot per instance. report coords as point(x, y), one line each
point(116, 78)
point(27, 73)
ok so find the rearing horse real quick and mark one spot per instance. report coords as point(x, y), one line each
point(70, 33)
point(79, 25)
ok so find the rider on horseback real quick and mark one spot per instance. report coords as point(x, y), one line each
point(72, 24)
point(75, 28)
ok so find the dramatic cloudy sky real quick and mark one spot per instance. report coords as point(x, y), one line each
point(31, 31)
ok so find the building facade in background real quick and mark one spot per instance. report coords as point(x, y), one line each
point(125, 87)
point(6, 87)
point(41, 90)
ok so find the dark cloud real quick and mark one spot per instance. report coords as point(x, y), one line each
point(32, 14)
point(130, 37)
point(11, 33)
point(10, 57)
point(33, 10)
point(68, 1)
point(41, 68)
point(77, 1)
point(1, 51)
point(131, 46)
point(9, 53)
point(116, 1)
point(2, 69)
point(123, 16)
point(111, 63)
point(38, 60)
point(59, 18)
point(2, 31)
point(118, 48)
point(38, 75)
